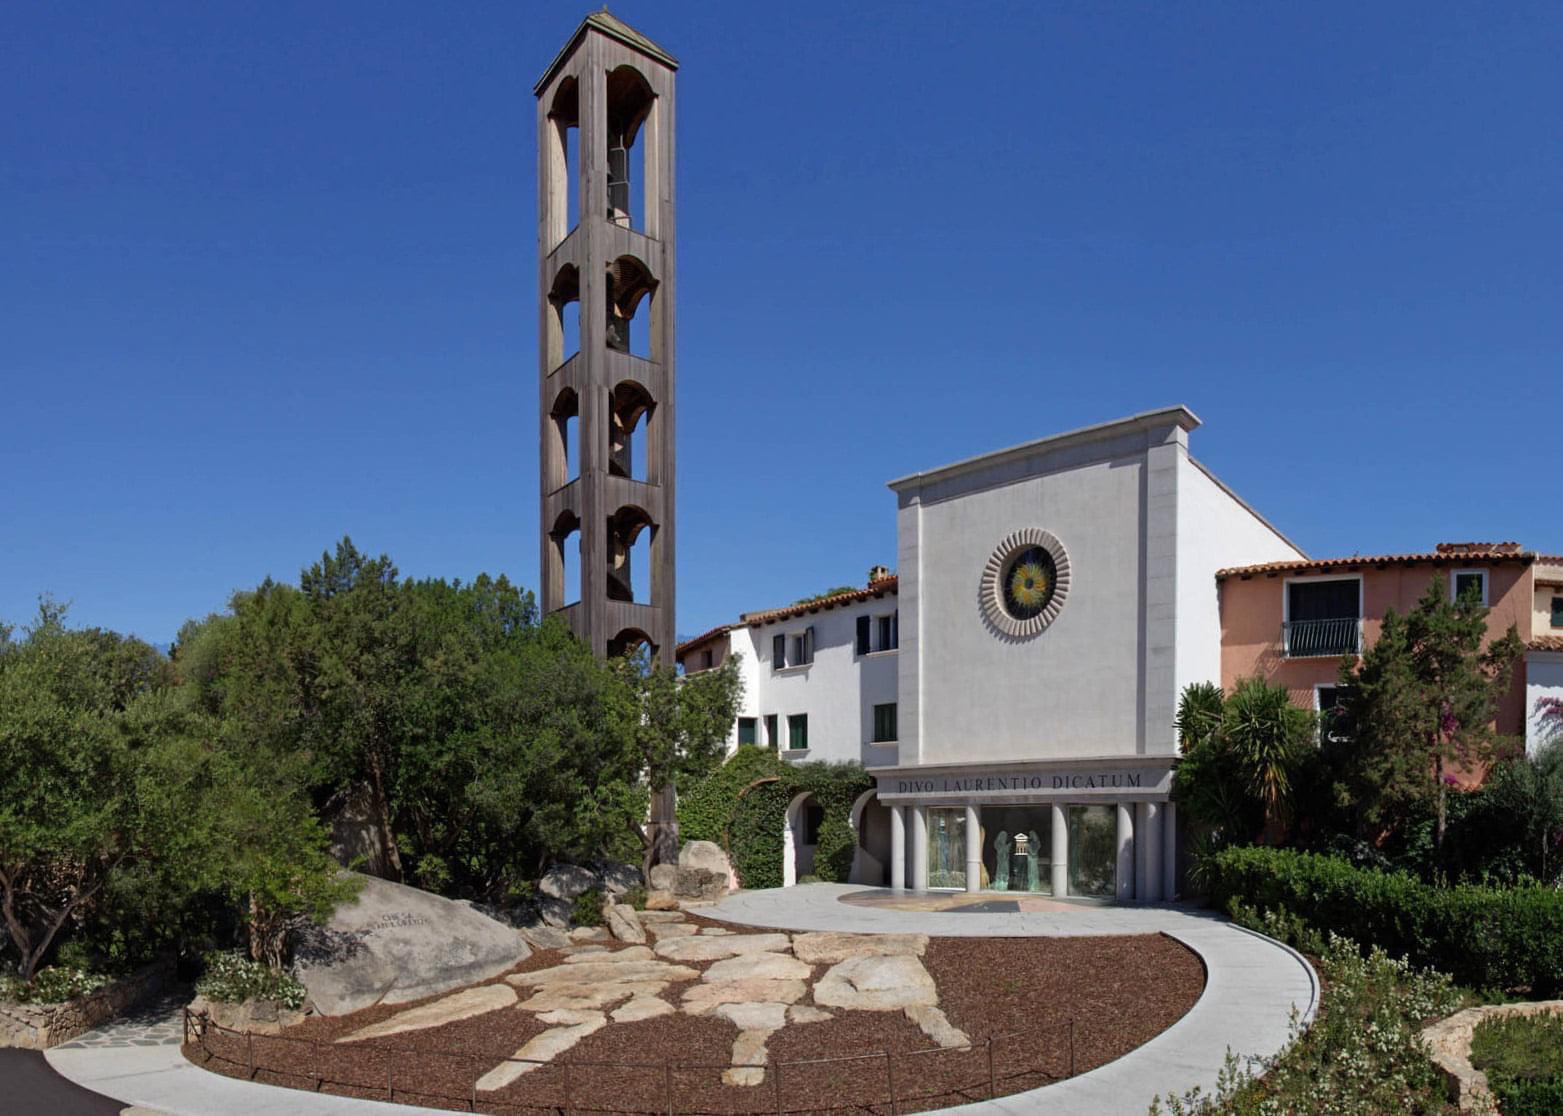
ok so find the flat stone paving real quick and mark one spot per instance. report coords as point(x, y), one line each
point(1252, 984)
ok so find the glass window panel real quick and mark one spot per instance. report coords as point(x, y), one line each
point(747, 730)
point(946, 847)
point(798, 731)
point(1093, 850)
point(1557, 612)
point(1017, 848)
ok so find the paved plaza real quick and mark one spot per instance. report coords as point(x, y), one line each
point(1252, 986)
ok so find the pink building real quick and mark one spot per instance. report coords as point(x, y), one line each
point(1290, 622)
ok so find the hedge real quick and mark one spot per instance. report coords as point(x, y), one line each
point(743, 807)
point(1484, 937)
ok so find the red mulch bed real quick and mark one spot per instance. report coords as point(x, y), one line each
point(1020, 992)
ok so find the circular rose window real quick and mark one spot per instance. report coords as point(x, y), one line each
point(1024, 583)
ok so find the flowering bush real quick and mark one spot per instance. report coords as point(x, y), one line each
point(232, 978)
point(53, 985)
point(1363, 1055)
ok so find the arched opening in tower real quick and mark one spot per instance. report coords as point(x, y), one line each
point(629, 103)
point(564, 324)
point(631, 536)
point(564, 452)
point(565, 157)
point(564, 558)
point(629, 285)
point(630, 408)
point(632, 641)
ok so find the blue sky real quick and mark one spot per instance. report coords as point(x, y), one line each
point(267, 276)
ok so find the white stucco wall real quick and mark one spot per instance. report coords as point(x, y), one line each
point(1215, 531)
point(1073, 691)
point(1543, 678)
point(838, 691)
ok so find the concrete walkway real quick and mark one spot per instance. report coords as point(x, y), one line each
point(1252, 985)
point(136, 1060)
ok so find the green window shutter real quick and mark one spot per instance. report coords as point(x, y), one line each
point(746, 730)
point(778, 652)
point(1557, 612)
point(772, 733)
point(884, 723)
point(798, 731)
point(862, 634)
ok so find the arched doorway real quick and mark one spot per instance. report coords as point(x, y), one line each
point(800, 838)
point(871, 856)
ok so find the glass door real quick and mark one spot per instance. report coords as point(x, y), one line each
point(946, 846)
point(1093, 850)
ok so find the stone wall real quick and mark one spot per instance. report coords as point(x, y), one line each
point(40, 1026)
point(1449, 1041)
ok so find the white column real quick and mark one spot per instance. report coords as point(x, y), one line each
point(1169, 851)
point(919, 848)
point(898, 847)
point(1060, 851)
point(1125, 888)
point(1148, 849)
point(973, 850)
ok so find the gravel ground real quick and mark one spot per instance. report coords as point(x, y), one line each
point(1021, 992)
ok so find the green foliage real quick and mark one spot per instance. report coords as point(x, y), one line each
point(635, 897)
point(1199, 714)
point(1422, 702)
point(1519, 1045)
point(1243, 753)
point(760, 815)
point(1363, 1055)
point(1485, 937)
point(586, 910)
point(705, 809)
point(231, 978)
point(835, 592)
point(53, 984)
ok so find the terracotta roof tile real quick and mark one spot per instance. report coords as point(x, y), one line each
point(1547, 643)
point(874, 589)
point(1446, 552)
point(720, 629)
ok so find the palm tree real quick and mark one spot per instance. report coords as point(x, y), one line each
point(1265, 733)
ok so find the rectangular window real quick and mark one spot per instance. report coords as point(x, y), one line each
point(886, 633)
point(772, 733)
point(797, 731)
point(1323, 617)
point(862, 635)
point(778, 652)
point(1557, 612)
point(747, 729)
point(1462, 582)
point(884, 723)
point(1334, 718)
point(801, 648)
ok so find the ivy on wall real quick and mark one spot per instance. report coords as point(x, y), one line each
point(752, 798)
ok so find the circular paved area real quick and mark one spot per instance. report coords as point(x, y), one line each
point(1252, 984)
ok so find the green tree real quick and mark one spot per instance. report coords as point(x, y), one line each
point(680, 727)
point(1422, 704)
point(1242, 754)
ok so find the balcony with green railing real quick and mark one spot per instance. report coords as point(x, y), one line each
point(1312, 639)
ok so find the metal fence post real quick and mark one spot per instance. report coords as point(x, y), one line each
point(390, 1080)
point(993, 1084)
point(667, 1083)
point(249, 1049)
point(890, 1077)
point(1071, 1046)
point(568, 1098)
point(776, 1083)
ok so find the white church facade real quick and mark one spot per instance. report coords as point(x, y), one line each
point(1012, 688)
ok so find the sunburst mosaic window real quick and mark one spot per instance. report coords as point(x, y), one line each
point(1029, 581)
point(1024, 583)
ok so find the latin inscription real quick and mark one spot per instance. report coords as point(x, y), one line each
point(1105, 780)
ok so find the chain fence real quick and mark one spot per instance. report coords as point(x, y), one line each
point(883, 1081)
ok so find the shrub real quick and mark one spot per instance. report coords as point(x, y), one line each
point(760, 816)
point(1363, 1055)
point(587, 908)
point(53, 985)
point(1522, 1056)
point(635, 897)
point(705, 810)
point(232, 978)
point(1485, 937)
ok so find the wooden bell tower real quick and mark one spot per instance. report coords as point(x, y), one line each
point(606, 288)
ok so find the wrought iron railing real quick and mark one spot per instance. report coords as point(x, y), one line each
point(1305, 639)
